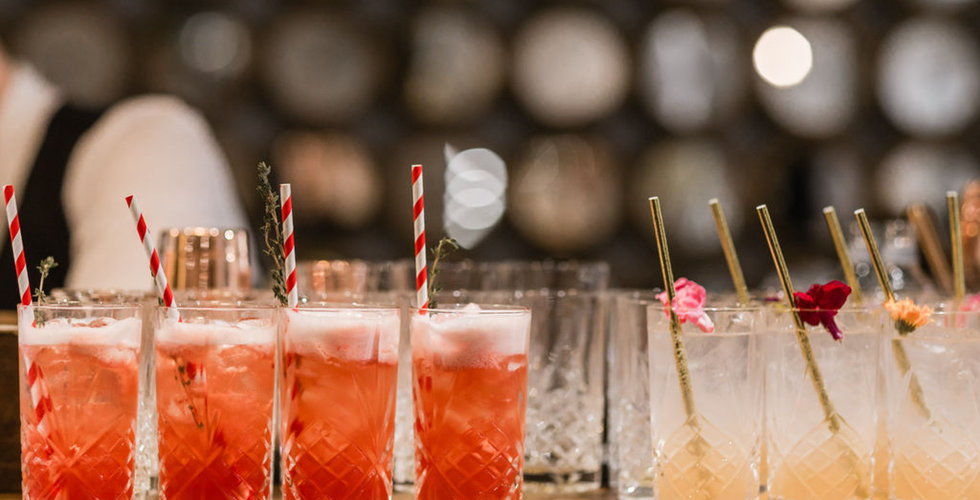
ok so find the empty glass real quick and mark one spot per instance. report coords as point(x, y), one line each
point(628, 395)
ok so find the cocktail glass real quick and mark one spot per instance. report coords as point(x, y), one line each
point(713, 451)
point(79, 392)
point(564, 449)
point(215, 387)
point(813, 455)
point(469, 386)
point(628, 394)
point(934, 430)
point(340, 367)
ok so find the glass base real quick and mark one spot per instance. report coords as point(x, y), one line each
point(537, 481)
point(636, 492)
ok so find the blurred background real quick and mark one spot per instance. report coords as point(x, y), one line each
point(587, 108)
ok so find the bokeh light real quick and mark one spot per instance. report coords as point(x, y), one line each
point(333, 177)
point(823, 103)
point(571, 66)
point(909, 175)
point(782, 56)
point(684, 59)
point(476, 194)
point(216, 44)
point(564, 194)
point(929, 77)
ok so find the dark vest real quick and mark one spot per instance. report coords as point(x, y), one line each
point(44, 227)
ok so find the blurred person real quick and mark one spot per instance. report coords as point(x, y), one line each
point(72, 168)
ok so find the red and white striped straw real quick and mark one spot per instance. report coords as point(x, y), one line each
point(40, 400)
point(288, 244)
point(156, 268)
point(20, 262)
point(418, 211)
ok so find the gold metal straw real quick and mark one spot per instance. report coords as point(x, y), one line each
point(876, 262)
point(840, 244)
point(956, 244)
point(928, 238)
point(680, 355)
point(898, 349)
point(728, 246)
point(833, 419)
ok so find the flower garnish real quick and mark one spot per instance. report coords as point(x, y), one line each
point(907, 315)
point(689, 300)
point(820, 304)
point(971, 303)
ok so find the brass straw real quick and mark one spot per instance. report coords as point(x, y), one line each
point(728, 246)
point(680, 355)
point(876, 262)
point(833, 419)
point(928, 238)
point(898, 349)
point(840, 244)
point(956, 244)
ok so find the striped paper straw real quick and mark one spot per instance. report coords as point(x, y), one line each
point(418, 211)
point(20, 262)
point(288, 244)
point(40, 400)
point(156, 268)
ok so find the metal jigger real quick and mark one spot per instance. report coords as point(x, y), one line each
point(203, 258)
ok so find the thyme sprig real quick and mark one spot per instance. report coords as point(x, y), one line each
point(445, 247)
point(186, 373)
point(272, 232)
point(44, 268)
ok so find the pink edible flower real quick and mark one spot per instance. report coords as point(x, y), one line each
point(971, 303)
point(689, 300)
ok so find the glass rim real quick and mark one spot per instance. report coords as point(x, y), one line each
point(852, 309)
point(339, 307)
point(78, 305)
point(718, 309)
point(218, 307)
point(950, 313)
point(201, 230)
point(493, 309)
point(694, 331)
point(563, 263)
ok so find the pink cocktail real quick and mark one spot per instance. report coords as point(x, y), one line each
point(79, 391)
point(215, 381)
point(338, 402)
point(470, 394)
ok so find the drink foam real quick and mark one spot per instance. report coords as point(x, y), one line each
point(469, 337)
point(247, 332)
point(89, 331)
point(348, 334)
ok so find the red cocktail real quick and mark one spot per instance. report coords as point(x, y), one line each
point(215, 381)
point(338, 402)
point(79, 390)
point(470, 393)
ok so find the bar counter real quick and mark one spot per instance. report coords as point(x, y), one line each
point(407, 496)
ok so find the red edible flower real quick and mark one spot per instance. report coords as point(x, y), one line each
point(820, 304)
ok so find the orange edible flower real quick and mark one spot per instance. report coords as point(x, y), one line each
point(907, 315)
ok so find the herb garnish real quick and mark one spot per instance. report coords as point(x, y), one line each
point(272, 233)
point(445, 247)
point(45, 267)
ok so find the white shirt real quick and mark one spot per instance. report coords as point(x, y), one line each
point(154, 147)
